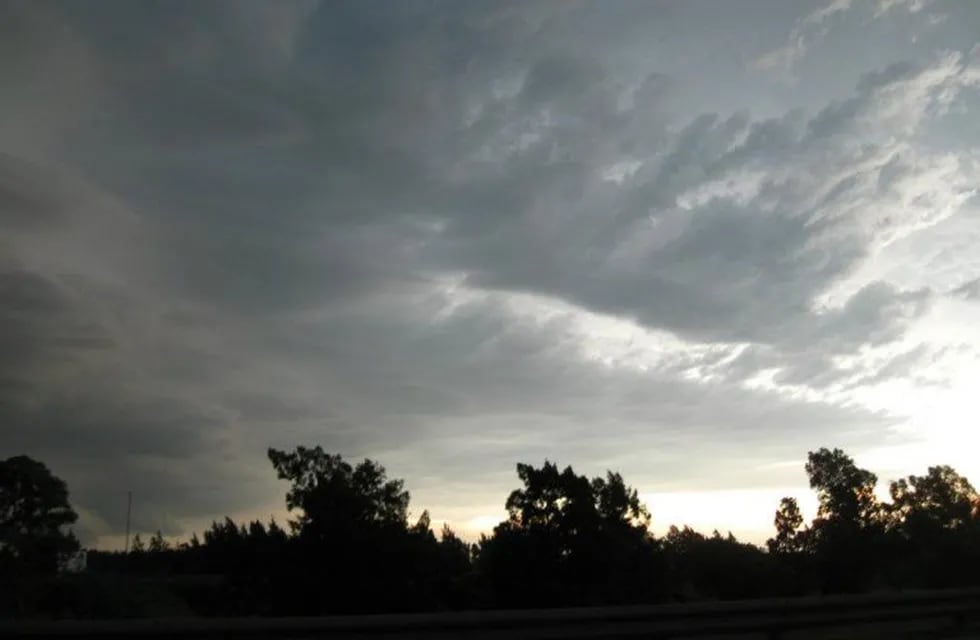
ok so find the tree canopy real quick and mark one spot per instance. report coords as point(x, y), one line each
point(923, 506)
point(353, 545)
point(845, 491)
point(928, 535)
point(567, 540)
point(34, 517)
point(333, 496)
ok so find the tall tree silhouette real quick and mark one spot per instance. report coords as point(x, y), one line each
point(158, 543)
point(790, 537)
point(569, 540)
point(335, 498)
point(352, 524)
point(924, 506)
point(927, 536)
point(34, 516)
point(844, 490)
point(848, 531)
point(938, 531)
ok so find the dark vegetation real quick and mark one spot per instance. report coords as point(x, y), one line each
point(568, 541)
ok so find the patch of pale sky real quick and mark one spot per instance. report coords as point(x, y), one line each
point(620, 171)
point(912, 6)
point(740, 188)
point(746, 513)
point(809, 28)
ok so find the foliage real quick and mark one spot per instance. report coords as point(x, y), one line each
point(158, 544)
point(927, 536)
point(788, 522)
point(568, 540)
point(346, 514)
point(335, 497)
point(34, 516)
point(719, 567)
point(923, 507)
point(845, 491)
point(935, 528)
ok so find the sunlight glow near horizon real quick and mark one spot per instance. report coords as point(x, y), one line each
point(746, 513)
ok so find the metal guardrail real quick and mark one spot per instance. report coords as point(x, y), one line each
point(772, 617)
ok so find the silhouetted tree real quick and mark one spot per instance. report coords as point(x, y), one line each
point(719, 567)
point(333, 496)
point(790, 536)
point(924, 506)
point(619, 505)
point(792, 547)
point(157, 543)
point(456, 559)
point(937, 529)
point(346, 516)
point(847, 533)
point(927, 536)
point(423, 526)
point(845, 491)
point(569, 540)
point(276, 532)
point(34, 516)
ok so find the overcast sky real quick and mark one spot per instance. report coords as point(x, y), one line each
point(689, 241)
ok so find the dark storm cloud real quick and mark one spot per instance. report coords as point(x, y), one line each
point(539, 218)
point(239, 234)
point(26, 201)
point(39, 327)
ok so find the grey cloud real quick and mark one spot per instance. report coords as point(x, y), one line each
point(505, 387)
point(968, 290)
point(805, 354)
point(816, 371)
point(699, 299)
point(891, 74)
point(24, 200)
point(40, 328)
point(905, 365)
point(899, 97)
point(912, 6)
point(206, 283)
point(875, 315)
point(532, 184)
point(809, 29)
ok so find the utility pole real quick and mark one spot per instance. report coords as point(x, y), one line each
point(129, 513)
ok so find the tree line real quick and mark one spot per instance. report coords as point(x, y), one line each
point(568, 540)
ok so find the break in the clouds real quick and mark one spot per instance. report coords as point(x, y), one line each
point(689, 241)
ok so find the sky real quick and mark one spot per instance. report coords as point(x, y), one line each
point(687, 241)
